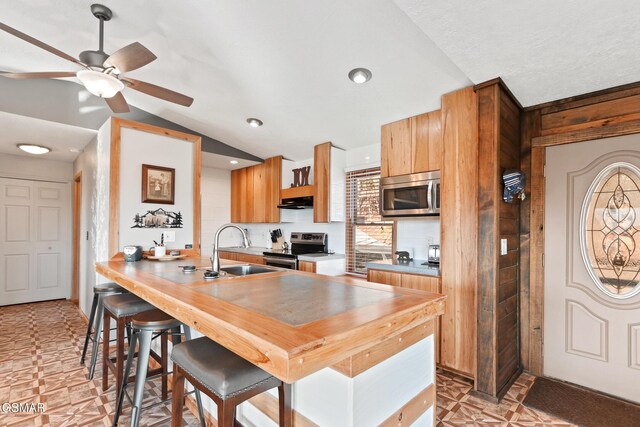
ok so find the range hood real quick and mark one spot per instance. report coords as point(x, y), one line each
point(305, 202)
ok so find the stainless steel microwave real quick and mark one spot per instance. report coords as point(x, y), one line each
point(417, 194)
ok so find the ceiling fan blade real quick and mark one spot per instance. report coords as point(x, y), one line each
point(130, 58)
point(118, 104)
point(159, 92)
point(39, 75)
point(38, 43)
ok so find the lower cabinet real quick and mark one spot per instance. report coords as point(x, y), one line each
point(236, 256)
point(307, 266)
point(411, 281)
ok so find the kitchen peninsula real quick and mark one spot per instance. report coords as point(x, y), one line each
point(357, 353)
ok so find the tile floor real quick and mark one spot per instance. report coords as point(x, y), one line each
point(40, 347)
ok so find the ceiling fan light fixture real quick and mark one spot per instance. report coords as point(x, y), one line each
point(100, 84)
point(34, 149)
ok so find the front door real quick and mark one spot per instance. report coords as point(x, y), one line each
point(592, 265)
point(35, 241)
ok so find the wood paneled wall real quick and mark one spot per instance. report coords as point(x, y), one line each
point(498, 275)
point(459, 225)
point(603, 114)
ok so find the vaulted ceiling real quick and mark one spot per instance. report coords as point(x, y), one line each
point(544, 49)
point(286, 61)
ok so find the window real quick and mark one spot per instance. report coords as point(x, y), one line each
point(369, 237)
point(610, 222)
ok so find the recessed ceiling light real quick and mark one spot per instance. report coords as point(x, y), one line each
point(74, 150)
point(360, 75)
point(233, 162)
point(367, 158)
point(34, 149)
point(254, 123)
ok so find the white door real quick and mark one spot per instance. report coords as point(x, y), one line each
point(591, 328)
point(35, 237)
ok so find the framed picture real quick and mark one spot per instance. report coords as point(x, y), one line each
point(158, 184)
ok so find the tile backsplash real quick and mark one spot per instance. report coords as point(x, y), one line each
point(416, 234)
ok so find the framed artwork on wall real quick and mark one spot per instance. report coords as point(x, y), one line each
point(158, 184)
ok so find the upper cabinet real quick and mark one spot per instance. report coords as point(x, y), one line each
point(412, 145)
point(329, 163)
point(255, 192)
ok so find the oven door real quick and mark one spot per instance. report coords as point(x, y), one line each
point(281, 262)
point(415, 198)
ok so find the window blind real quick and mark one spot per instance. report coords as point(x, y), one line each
point(368, 236)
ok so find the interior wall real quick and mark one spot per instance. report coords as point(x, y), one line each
point(29, 167)
point(216, 208)
point(138, 148)
point(93, 162)
point(416, 234)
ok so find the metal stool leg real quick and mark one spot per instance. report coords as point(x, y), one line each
point(187, 336)
point(127, 372)
point(99, 318)
point(87, 336)
point(141, 374)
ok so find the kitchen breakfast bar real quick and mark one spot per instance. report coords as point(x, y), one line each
point(357, 353)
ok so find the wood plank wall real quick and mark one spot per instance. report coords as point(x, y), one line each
point(603, 114)
point(498, 275)
point(459, 230)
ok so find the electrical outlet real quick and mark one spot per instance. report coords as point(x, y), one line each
point(169, 236)
point(429, 241)
point(503, 246)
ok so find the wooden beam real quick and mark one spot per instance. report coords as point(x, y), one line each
point(489, 198)
point(588, 134)
point(530, 125)
point(536, 275)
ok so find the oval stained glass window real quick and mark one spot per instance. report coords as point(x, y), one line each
point(610, 225)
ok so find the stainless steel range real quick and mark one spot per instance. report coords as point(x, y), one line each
point(301, 244)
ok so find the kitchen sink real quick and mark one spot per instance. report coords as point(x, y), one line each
point(245, 270)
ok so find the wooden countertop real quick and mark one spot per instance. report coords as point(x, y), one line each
point(291, 324)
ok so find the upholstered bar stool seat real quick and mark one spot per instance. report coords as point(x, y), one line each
point(225, 377)
point(126, 305)
point(121, 308)
point(109, 287)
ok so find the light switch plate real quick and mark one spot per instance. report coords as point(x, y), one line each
point(169, 236)
point(503, 246)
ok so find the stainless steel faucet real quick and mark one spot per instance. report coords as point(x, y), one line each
point(215, 259)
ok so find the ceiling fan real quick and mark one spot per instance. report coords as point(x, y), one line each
point(102, 73)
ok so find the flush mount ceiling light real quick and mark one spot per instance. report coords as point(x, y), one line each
point(254, 123)
point(360, 75)
point(34, 149)
point(233, 162)
point(100, 84)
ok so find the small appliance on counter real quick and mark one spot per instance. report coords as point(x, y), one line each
point(434, 254)
point(132, 253)
point(403, 257)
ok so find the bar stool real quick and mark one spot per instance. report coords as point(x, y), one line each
point(226, 378)
point(143, 326)
point(95, 321)
point(121, 308)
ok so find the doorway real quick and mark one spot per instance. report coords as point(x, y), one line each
point(35, 241)
point(592, 265)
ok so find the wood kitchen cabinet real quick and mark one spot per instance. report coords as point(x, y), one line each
point(308, 266)
point(237, 256)
point(412, 145)
point(255, 192)
point(411, 281)
point(329, 199)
